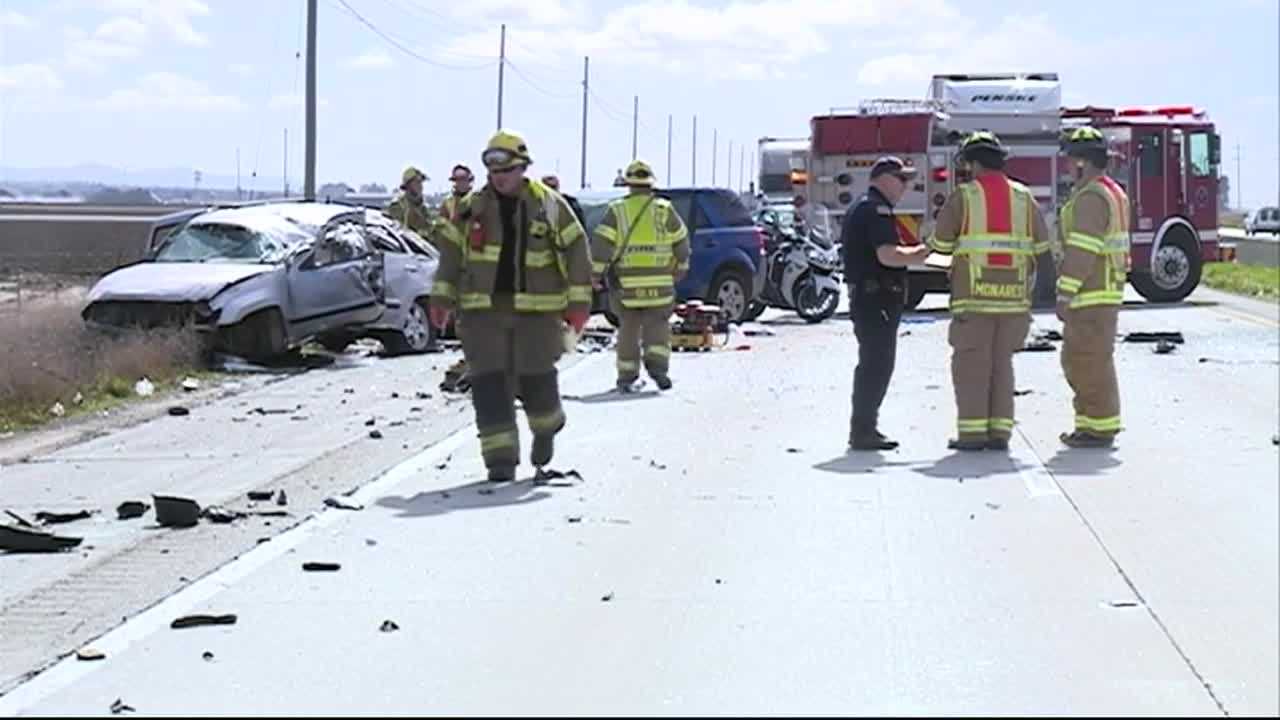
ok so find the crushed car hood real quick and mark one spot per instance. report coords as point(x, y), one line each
point(172, 282)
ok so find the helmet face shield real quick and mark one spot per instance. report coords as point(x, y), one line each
point(499, 159)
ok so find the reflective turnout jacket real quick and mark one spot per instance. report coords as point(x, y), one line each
point(646, 243)
point(1094, 227)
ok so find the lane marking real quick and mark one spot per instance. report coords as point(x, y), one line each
point(1245, 315)
point(1035, 475)
point(115, 642)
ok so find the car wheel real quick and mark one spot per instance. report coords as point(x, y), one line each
point(416, 333)
point(813, 306)
point(1175, 269)
point(260, 336)
point(730, 292)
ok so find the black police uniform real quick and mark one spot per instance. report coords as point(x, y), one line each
point(876, 298)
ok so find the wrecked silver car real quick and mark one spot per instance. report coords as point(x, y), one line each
point(261, 280)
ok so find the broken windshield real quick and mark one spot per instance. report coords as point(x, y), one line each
point(220, 243)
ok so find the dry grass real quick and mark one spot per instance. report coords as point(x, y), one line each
point(47, 356)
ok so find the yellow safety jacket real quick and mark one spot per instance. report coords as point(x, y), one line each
point(647, 245)
point(1095, 267)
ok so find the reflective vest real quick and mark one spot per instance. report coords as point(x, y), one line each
point(642, 249)
point(991, 272)
point(544, 266)
point(1104, 284)
point(453, 206)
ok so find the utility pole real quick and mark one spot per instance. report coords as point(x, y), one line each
point(670, 128)
point(502, 66)
point(728, 173)
point(694, 180)
point(752, 179)
point(309, 180)
point(1239, 201)
point(635, 128)
point(586, 89)
point(239, 196)
point(286, 162)
point(742, 160)
point(715, 142)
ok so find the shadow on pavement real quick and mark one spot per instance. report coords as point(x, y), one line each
point(480, 495)
point(972, 465)
point(613, 395)
point(859, 462)
point(1083, 461)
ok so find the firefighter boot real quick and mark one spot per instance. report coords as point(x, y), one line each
point(541, 394)
point(964, 445)
point(496, 425)
point(1083, 439)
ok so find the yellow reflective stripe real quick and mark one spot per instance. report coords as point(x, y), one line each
point(1088, 243)
point(945, 247)
point(1095, 298)
point(976, 425)
point(1107, 424)
point(628, 364)
point(569, 235)
point(498, 441)
point(632, 303)
point(529, 302)
point(475, 300)
point(538, 258)
point(579, 293)
point(489, 253)
point(1041, 247)
point(546, 423)
point(1068, 284)
point(644, 260)
point(975, 207)
point(1021, 210)
point(989, 306)
point(630, 282)
point(658, 350)
point(599, 267)
point(606, 232)
point(1001, 424)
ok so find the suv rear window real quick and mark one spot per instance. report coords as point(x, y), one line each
point(725, 209)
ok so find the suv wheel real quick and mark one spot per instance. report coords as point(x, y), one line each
point(730, 291)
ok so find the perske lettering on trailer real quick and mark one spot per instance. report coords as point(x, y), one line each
point(1005, 98)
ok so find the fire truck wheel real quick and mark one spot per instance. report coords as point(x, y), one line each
point(1175, 269)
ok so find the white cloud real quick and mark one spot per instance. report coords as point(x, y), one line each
point(169, 91)
point(173, 18)
point(242, 69)
point(89, 52)
point(294, 101)
point(519, 12)
point(371, 60)
point(29, 76)
point(122, 30)
point(15, 19)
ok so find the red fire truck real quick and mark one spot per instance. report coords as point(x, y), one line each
point(1167, 158)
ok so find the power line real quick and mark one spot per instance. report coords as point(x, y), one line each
point(404, 49)
point(536, 86)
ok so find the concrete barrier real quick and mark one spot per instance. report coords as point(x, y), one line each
point(1261, 250)
point(79, 239)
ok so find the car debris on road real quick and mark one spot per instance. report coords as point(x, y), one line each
point(176, 511)
point(131, 509)
point(16, 539)
point(191, 621)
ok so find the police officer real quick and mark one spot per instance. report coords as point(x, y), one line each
point(875, 265)
point(410, 207)
point(1095, 232)
point(519, 271)
point(993, 227)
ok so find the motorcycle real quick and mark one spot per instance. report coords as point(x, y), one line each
point(802, 270)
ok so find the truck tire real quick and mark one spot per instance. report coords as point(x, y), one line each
point(1175, 269)
point(731, 291)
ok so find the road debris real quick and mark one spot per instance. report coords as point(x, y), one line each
point(20, 520)
point(1038, 345)
point(321, 567)
point(207, 656)
point(370, 542)
point(1164, 347)
point(420, 395)
point(261, 495)
point(144, 388)
point(742, 348)
point(273, 411)
point(179, 411)
point(375, 434)
point(395, 396)
point(1154, 337)
point(89, 654)
point(342, 503)
point(1122, 604)
point(415, 409)
point(221, 515)
point(371, 422)
point(131, 509)
point(118, 707)
point(57, 410)
point(657, 465)
point(396, 423)
point(607, 598)
point(1051, 335)
point(176, 511)
point(1022, 393)
point(574, 519)
point(993, 506)
point(30, 540)
point(719, 581)
point(759, 331)
point(456, 379)
point(58, 518)
point(388, 626)
point(793, 451)
point(78, 399)
point(282, 499)
point(190, 384)
point(190, 621)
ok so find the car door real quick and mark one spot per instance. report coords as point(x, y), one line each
point(338, 282)
point(408, 273)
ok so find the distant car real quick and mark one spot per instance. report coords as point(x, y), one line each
point(1266, 220)
point(727, 265)
point(258, 281)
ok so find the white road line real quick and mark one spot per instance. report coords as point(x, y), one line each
point(1035, 474)
point(157, 617)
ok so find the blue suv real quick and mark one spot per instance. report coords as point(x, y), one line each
point(727, 267)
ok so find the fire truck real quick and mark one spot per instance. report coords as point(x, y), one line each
point(1166, 158)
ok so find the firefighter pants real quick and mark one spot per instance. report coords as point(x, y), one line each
point(644, 333)
point(875, 324)
point(982, 372)
point(1088, 360)
point(512, 354)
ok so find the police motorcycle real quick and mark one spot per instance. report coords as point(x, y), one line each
point(802, 270)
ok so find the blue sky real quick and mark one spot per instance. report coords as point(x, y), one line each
point(183, 83)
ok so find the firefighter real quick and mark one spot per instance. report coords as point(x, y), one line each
point(1094, 227)
point(875, 263)
point(994, 229)
point(410, 207)
point(462, 179)
point(521, 266)
point(642, 245)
